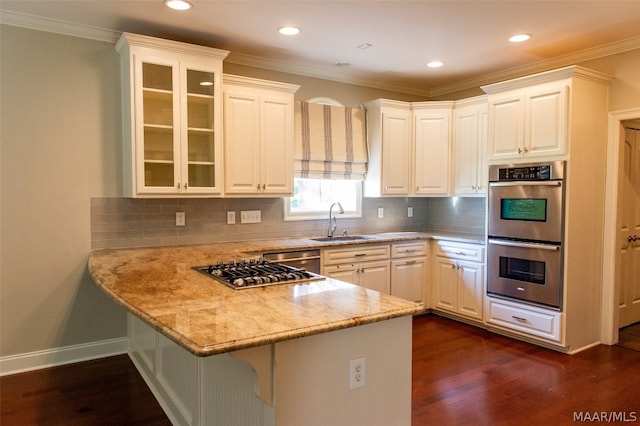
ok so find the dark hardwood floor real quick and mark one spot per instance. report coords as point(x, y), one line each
point(462, 375)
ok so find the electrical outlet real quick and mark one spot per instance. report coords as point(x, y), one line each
point(410, 212)
point(380, 212)
point(356, 373)
point(231, 217)
point(180, 219)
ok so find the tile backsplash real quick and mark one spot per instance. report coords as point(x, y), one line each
point(128, 222)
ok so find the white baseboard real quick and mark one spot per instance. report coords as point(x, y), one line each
point(59, 356)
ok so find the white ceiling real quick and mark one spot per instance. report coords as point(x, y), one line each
point(470, 37)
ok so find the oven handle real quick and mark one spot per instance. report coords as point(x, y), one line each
point(524, 245)
point(528, 183)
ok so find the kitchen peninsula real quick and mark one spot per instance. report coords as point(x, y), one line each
point(281, 354)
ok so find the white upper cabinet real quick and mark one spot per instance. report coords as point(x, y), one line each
point(389, 139)
point(470, 147)
point(409, 148)
point(432, 147)
point(172, 115)
point(530, 117)
point(258, 136)
point(529, 123)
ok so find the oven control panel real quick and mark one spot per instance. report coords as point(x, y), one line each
point(527, 172)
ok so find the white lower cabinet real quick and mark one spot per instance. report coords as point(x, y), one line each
point(409, 270)
point(524, 319)
point(399, 269)
point(458, 279)
point(366, 266)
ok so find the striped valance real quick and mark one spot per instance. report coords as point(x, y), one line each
point(330, 142)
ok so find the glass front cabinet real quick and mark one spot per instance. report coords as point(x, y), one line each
point(172, 117)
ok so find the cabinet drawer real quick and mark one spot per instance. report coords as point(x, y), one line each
point(411, 249)
point(525, 319)
point(463, 251)
point(363, 253)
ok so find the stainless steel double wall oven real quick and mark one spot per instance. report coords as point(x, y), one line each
point(525, 232)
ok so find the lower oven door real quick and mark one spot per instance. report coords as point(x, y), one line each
point(527, 271)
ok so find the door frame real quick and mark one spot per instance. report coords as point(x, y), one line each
point(610, 288)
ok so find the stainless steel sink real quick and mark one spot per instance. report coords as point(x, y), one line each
point(342, 238)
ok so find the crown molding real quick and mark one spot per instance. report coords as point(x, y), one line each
point(540, 66)
point(327, 73)
point(58, 27)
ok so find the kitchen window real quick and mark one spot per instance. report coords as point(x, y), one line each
point(313, 197)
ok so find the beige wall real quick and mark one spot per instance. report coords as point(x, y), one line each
point(625, 88)
point(60, 130)
point(60, 137)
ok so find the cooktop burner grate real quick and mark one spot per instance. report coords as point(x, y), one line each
point(254, 273)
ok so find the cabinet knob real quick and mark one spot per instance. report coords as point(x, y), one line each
point(264, 186)
point(519, 150)
point(178, 186)
point(526, 150)
point(185, 186)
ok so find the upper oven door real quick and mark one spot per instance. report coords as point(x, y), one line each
point(528, 210)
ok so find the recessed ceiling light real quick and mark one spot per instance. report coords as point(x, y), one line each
point(342, 64)
point(435, 64)
point(519, 38)
point(288, 30)
point(178, 4)
point(364, 46)
point(206, 83)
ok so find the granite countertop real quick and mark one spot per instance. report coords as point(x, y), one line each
point(207, 318)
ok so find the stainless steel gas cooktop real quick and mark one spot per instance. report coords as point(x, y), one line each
point(243, 274)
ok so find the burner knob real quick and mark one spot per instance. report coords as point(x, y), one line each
point(238, 282)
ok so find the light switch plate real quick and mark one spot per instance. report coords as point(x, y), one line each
point(380, 212)
point(251, 216)
point(410, 212)
point(181, 219)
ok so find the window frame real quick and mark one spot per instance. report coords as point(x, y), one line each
point(315, 215)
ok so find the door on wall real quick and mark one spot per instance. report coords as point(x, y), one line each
point(629, 228)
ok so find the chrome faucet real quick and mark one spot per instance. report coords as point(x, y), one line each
point(333, 225)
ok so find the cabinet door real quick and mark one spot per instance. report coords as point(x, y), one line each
point(347, 272)
point(376, 276)
point(470, 151)
point(241, 138)
point(396, 153)
point(201, 149)
point(445, 285)
point(470, 288)
point(408, 278)
point(276, 146)
point(431, 166)
point(465, 148)
point(506, 125)
point(546, 122)
point(157, 125)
